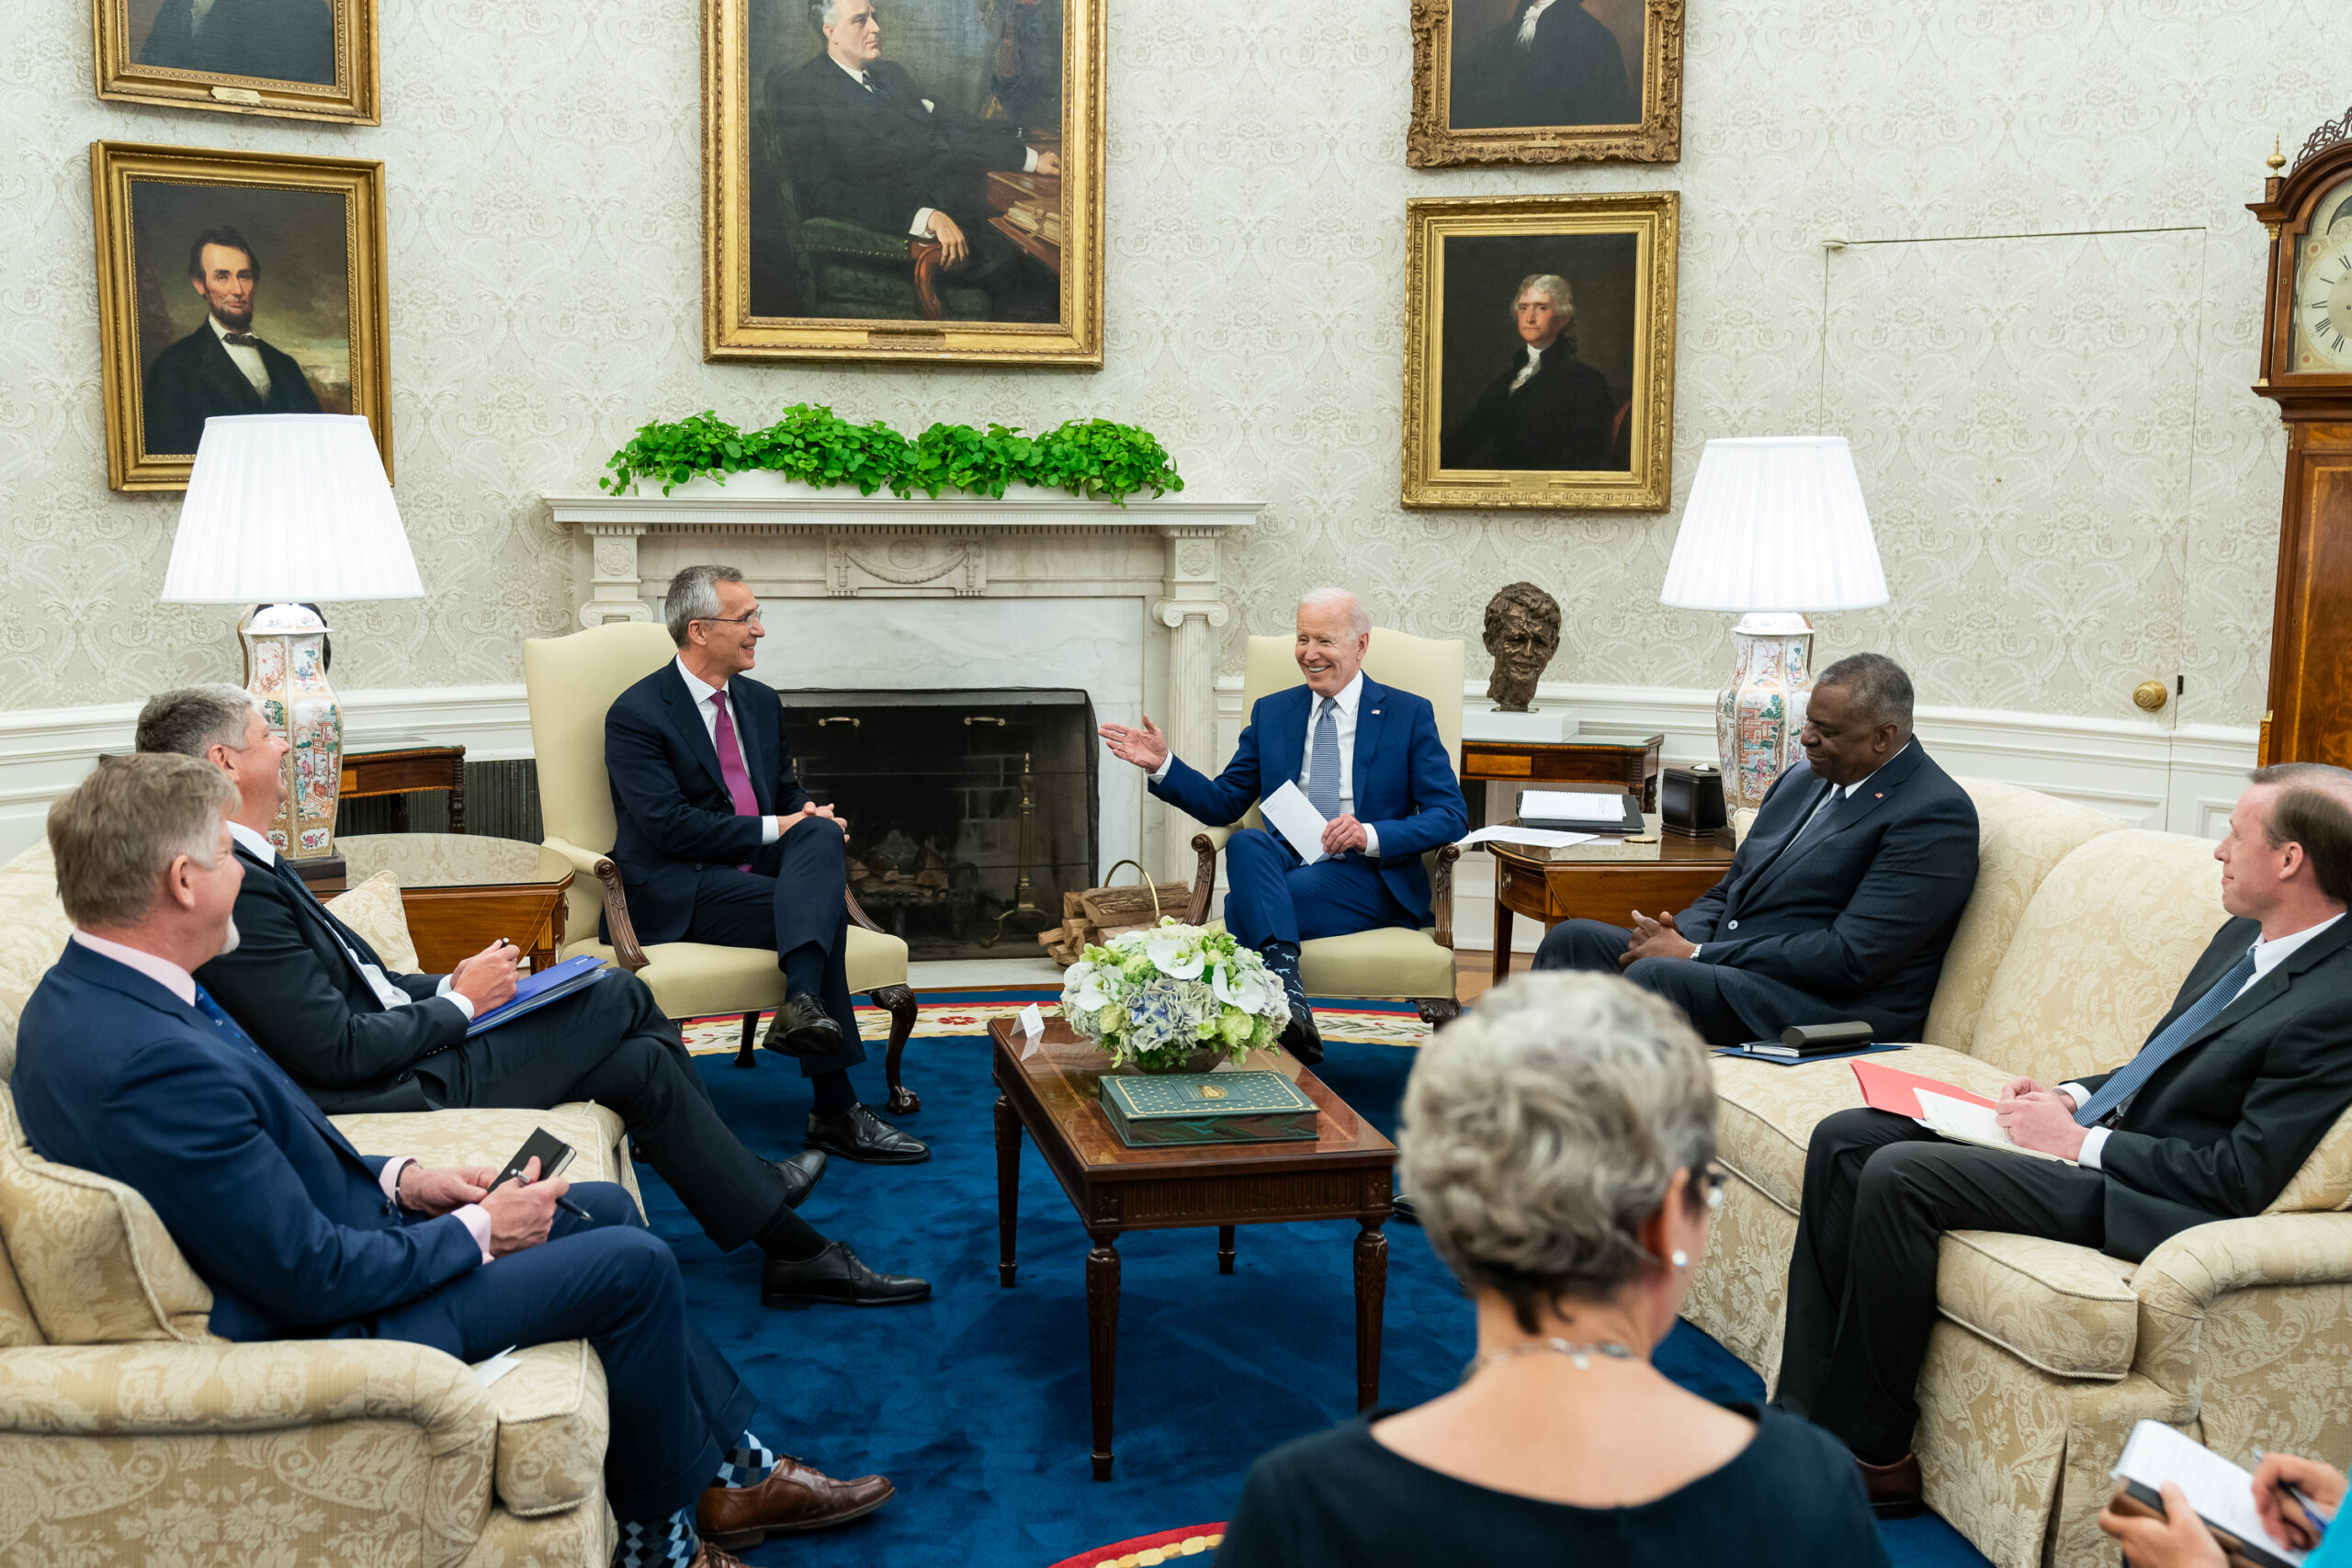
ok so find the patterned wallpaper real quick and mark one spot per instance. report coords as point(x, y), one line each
point(2074, 490)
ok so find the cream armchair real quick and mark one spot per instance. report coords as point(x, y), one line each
point(129, 1432)
point(1396, 963)
point(571, 681)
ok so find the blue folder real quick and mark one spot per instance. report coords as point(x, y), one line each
point(534, 991)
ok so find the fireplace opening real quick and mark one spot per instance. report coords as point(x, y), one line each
point(970, 812)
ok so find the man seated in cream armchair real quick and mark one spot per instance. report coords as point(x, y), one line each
point(1367, 757)
point(127, 1066)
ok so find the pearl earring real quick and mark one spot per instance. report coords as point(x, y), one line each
point(1681, 1258)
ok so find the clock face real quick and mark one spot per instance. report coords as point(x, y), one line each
point(2323, 302)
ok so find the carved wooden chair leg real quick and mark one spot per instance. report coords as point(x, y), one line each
point(1437, 1011)
point(929, 256)
point(899, 1001)
point(743, 1054)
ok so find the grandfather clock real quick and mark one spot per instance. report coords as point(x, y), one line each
point(2307, 371)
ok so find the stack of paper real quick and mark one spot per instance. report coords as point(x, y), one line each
point(1966, 1122)
point(2221, 1494)
point(1572, 805)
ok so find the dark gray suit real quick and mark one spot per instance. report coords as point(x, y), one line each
point(2215, 1134)
point(1852, 923)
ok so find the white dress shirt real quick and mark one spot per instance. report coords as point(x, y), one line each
point(1344, 720)
point(247, 356)
point(1526, 38)
point(182, 984)
point(921, 227)
point(702, 692)
point(392, 995)
point(1527, 372)
point(2268, 955)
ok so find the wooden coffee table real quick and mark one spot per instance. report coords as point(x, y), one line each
point(1529, 881)
point(1345, 1174)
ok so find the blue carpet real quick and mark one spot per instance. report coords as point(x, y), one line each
point(975, 1402)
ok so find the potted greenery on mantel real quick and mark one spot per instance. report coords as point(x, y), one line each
point(1093, 458)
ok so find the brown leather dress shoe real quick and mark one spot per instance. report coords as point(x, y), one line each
point(709, 1556)
point(1896, 1490)
point(793, 1497)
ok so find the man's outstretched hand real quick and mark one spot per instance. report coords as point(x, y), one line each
point(1146, 748)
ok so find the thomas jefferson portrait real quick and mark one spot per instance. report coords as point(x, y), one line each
point(1545, 406)
point(281, 40)
point(243, 306)
point(1544, 63)
point(906, 160)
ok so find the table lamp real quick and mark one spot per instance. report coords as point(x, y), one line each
point(283, 508)
point(1774, 527)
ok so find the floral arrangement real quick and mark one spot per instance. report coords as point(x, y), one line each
point(1157, 997)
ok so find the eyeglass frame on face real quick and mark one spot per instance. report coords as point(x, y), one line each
point(748, 618)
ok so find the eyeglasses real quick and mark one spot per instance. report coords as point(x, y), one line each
point(748, 618)
point(1716, 1177)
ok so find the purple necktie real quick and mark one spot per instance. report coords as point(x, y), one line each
point(731, 764)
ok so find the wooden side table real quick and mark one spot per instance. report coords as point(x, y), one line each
point(1628, 758)
point(1345, 1174)
point(399, 768)
point(462, 892)
point(1529, 881)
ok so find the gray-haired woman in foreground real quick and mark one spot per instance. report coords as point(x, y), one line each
point(1560, 1144)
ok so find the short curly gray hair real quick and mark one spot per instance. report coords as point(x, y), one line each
point(1542, 1131)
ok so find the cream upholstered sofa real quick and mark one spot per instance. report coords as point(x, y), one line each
point(2239, 1332)
point(130, 1433)
point(1394, 962)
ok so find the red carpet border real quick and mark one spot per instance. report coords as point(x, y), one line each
point(967, 1013)
point(1150, 1551)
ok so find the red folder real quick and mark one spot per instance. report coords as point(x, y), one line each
point(1891, 1089)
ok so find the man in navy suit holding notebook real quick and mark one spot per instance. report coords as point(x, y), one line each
point(359, 1036)
point(127, 1066)
point(1366, 756)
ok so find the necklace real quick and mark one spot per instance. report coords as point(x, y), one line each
point(1579, 1355)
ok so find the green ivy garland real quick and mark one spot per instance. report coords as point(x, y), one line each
point(1092, 457)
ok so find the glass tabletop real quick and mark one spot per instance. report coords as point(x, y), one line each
point(452, 860)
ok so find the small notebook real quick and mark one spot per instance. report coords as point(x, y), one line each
point(2221, 1493)
point(1965, 1121)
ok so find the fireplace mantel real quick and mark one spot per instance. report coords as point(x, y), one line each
point(795, 542)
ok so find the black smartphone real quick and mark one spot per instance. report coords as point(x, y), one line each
point(552, 1153)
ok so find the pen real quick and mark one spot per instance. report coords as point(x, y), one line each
point(2319, 1526)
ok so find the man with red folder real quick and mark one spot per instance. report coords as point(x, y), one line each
point(2209, 1120)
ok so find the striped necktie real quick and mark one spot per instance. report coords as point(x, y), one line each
point(2126, 1080)
point(1323, 765)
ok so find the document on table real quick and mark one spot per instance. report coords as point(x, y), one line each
point(2221, 1494)
point(1574, 806)
point(1535, 838)
point(1969, 1123)
point(1295, 817)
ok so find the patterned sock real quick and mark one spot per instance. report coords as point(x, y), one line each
point(748, 1464)
point(1281, 958)
point(658, 1543)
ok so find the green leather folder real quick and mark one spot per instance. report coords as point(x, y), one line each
point(1206, 1108)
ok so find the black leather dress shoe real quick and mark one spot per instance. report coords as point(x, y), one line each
point(834, 1277)
point(800, 1173)
point(858, 1134)
point(1300, 1037)
point(1896, 1490)
point(803, 1028)
point(1400, 1207)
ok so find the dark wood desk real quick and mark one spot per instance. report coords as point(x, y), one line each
point(1529, 881)
point(1347, 1173)
point(402, 769)
point(1595, 756)
point(1038, 196)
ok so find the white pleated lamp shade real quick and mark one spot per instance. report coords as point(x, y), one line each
point(1775, 522)
point(286, 507)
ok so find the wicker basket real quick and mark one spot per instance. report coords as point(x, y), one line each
point(1097, 914)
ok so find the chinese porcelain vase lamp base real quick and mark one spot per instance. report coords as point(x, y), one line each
point(1775, 526)
point(284, 509)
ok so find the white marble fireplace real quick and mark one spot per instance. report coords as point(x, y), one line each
point(872, 592)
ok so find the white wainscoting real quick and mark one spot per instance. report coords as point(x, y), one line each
point(2181, 781)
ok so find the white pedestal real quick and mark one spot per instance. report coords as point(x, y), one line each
point(1541, 725)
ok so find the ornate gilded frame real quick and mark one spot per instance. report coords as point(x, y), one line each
point(732, 332)
point(1655, 218)
point(353, 100)
point(1430, 142)
point(114, 167)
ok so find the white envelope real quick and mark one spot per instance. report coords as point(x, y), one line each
point(1290, 814)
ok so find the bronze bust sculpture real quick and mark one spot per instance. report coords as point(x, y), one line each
point(1522, 634)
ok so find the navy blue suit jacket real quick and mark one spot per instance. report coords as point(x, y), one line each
point(275, 1209)
point(671, 814)
point(1404, 782)
point(1861, 918)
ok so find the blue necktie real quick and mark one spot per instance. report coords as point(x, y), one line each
point(2126, 1080)
point(1323, 765)
point(224, 1023)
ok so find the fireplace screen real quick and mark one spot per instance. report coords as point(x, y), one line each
point(970, 812)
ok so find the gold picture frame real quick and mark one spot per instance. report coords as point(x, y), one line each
point(1647, 36)
point(809, 254)
point(293, 247)
point(288, 58)
point(1586, 424)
